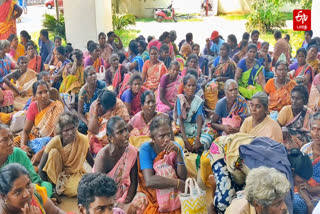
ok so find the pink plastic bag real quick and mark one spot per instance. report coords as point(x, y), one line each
point(234, 121)
point(167, 199)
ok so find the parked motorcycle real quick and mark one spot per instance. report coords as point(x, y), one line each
point(161, 14)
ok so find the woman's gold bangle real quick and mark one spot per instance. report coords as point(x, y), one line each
point(178, 183)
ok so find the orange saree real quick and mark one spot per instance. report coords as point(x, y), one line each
point(7, 24)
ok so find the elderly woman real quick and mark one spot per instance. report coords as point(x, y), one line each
point(263, 194)
point(153, 70)
point(64, 156)
point(302, 71)
point(131, 97)
point(20, 195)
point(259, 124)
point(35, 61)
point(279, 88)
point(101, 110)
point(249, 74)
point(115, 75)
point(22, 78)
point(230, 111)
point(41, 118)
point(11, 154)
point(188, 116)
point(119, 160)
point(168, 88)
point(94, 58)
point(88, 93)
point(72, 74)
point(312, 149)
point(153, 179)
point(294, 118)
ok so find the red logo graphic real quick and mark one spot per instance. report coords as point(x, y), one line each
point(301, 20)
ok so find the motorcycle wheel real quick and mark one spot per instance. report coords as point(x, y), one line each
point(159, 19)
point(175, 19)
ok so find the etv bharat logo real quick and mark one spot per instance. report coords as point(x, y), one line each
point(301, 20)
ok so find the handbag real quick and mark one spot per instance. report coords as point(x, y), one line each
point(193, 202)
point(192, 161)
point(167, 199)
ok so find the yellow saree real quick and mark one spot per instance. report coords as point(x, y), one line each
point(72, 83)
point(64, 166)
point(24, 83)
point(267, 128)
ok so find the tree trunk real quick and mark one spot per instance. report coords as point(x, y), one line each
point(57, 9)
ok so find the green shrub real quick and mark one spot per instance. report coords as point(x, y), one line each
point(55, 26)
point(266, 16)
point(121, 21)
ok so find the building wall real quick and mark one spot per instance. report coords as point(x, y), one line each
point(315, 17)
point(234, 6)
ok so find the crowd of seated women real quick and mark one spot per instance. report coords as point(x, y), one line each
point(142, 120)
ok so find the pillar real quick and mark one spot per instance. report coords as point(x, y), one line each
point(315, 17)
point(84, 20)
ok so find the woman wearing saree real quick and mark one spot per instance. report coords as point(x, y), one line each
point(249, 74)
point(88, 93)
point(41, 118)
point(35, 61)
point(188, 116)
point(63, 159)
point(302, 73)
point(116, 76)
point(94, 58)
point(119, 160)
point(312, 59)
point(101, 110)
point(131, 97)
point(10, 11)
point(232, 106)
point(193, 63)
point(243, 46)
point(135, 60)
point(153, 70)
point(21, 196)
point(143, 52)
point(279, 88)
point(314, 103)
point(259, 124)
point(168, 88)
point(61, 55)
point(152, 180)
point(295, 118)
point(16, 49)
point(312, 149)
point(23, 79)
point(72, 75)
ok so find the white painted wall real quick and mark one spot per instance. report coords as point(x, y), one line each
point(315, 17)
point(84, 20)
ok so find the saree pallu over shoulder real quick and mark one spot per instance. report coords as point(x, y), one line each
point(46, 120)
point(7, 25)
point(281, 97)
point(248, 85)
point(240, 108)
point(72, 83)
point(187, 110)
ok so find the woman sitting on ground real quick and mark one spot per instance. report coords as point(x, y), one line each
point(57, 43)
point(88, 93)
point(62, 64)
point(23, 78)
point(295, 118)
point(151, 177)
point(259, 124)
point(115, 76)
point(13, 154)
point(63, 159)
point(302, 73)
point(131, 97)
point(41, 118)
point(193, 63)
point(243, 46)
point(312, 59)
point(119, 160)
point(188, 116)
point(314, 103)
point(94, 58)
point(279, 88)
point(72, 74)
point(153, 70)
point(135, 61)
point(143, 52)
point(249, 74)
point(20, 196)
point(312, 149)
point(203, 62)
point(17, 49)
point(168, 88)
point(101, 110)
point(35, 61)
point(232, 106)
